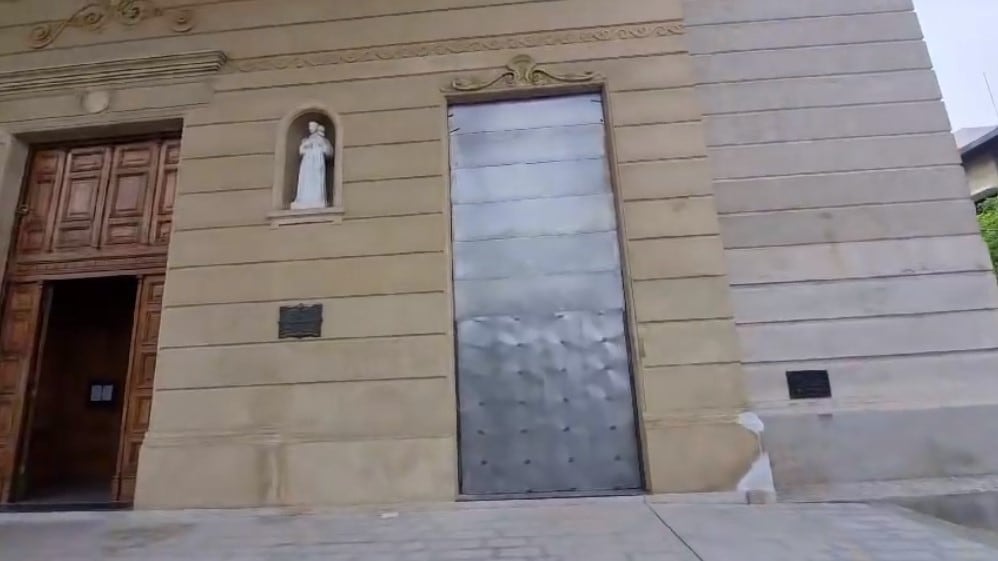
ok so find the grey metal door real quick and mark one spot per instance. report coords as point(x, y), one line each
point(545, 395)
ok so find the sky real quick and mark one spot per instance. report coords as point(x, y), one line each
point(963, 40)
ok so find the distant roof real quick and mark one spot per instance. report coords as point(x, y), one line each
point(968, 140)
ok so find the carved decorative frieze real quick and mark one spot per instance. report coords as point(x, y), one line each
point(96, 75)
point(95, 15)
point(458, 46)
point(521, 71)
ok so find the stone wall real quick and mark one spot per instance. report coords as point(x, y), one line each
point(367, 412)
point(851, 242)
point(800, 161)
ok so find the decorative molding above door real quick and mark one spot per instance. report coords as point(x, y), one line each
point(521, 72)
point(77, 77)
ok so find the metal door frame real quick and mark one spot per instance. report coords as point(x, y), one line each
point(634, 347)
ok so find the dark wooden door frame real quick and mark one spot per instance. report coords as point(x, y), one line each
point(29, 398)
point(145, 260)
point(18, 342)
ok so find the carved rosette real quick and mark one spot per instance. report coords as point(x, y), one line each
point(95, 15)
point(522, 71)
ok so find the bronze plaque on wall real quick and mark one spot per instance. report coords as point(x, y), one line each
point(300, 322)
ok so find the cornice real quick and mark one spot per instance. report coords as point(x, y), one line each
point(77, 77)
point(458, 46)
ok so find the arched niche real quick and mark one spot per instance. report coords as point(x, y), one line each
point(290, 132)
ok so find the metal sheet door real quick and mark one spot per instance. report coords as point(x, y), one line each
point(546, 403)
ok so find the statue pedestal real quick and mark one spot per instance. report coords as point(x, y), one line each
point(306, 216)
point(319, 205)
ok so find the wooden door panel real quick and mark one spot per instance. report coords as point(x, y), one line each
point(79, 201)
point(156, 297)
point(48, 162)
point(87, 159)
point(150, 328)
point(10, 407)
point(9, 376)
point(6, 414)
point(130, 455)
point(7, 465)
point(125, 484)
point(36, 209)
point(125, 209)
point(18, 340)
point(38, 206)
point(138, 155)
point(130, 194)
point(146, 367)
point(81, 198)
point(139, 387)
point(166, 192)
point(140, 409)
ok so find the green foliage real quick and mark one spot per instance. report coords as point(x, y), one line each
point(987, 215)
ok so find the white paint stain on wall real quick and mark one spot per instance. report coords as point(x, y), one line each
point(759, 477)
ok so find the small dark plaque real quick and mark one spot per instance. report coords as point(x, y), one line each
point(102, 394)
point(300, 322)
point(809, 384)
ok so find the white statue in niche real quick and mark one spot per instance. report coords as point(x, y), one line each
point(315, 149)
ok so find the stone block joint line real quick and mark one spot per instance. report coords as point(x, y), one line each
point(673, 531)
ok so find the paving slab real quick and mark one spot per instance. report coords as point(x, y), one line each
point(611, 529)
point(825, 532)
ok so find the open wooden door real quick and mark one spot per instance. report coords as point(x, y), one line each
point(139, 387)
point(22, 312)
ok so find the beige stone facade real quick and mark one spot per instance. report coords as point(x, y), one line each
point(850, 241)
point(840, 195)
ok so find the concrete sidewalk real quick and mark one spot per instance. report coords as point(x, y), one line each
point(617, 529)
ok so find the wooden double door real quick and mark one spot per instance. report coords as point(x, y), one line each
point(99, 201)
point(89, 246)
